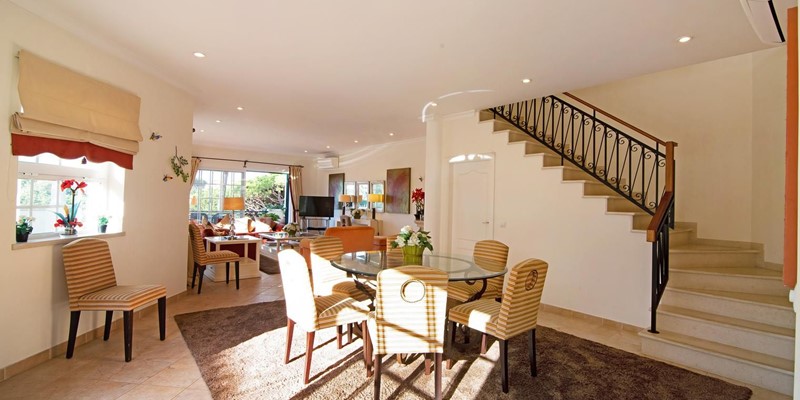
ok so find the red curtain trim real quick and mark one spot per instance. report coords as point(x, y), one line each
point(24, 145)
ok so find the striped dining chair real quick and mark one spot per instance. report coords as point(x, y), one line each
point(490, 255)
point(517, 313)
point(326, 278)
point(202, 258)
point(312, 313)
point(92, 286)
point(409, 316)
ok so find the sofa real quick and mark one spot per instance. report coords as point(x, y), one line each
point(354, 238)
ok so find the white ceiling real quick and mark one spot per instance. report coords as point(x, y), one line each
point(319, 73)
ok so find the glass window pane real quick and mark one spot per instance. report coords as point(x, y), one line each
point(44, 220)
point(44, 193)
point(23, 192)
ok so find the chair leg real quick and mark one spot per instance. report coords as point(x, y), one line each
point(367, 348)
point(194, 274)
point(427, 364)
point(227, 272)
point(237, 274)
point(532, 351)
point(74, 318)
point(339, 337)
point(349, 333)
point(504, 364)
point(127, 319)
point(466, 333)
point(289, 333)
point(107, 330)
point(484, 337)
point(309, 352)
point(452, 342)
point(200, 282)
point(377, 388)
point(162, 317)
point(437, 379)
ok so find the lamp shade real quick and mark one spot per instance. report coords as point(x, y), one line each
point(194, 200)
point(345, 198)
point(233, 203)
point(375, 198)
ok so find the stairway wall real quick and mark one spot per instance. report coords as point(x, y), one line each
point(728, 117)
point(593, 256)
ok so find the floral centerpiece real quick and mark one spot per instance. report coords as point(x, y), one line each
point(413, 243)
point(24, 228)
point(418, 198)
point(69, 219)
point(291, 228)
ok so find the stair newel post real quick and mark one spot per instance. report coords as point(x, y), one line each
point(669, 181)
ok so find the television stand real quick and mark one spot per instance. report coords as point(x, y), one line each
point(314, 223)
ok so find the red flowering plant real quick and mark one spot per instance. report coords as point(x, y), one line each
point(418, 198)
point(69, 219)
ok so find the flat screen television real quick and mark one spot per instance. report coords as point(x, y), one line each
point(316, 206)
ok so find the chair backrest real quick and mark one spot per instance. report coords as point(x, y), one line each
point(491, 255)
point(300, 306)
point(88, 268)
point(354, 238)
point(410, 309)
point(198, 249)
point(519, 311)
point(323, 274)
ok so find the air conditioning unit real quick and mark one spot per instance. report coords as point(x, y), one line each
point(328, 162)
point(764, 19)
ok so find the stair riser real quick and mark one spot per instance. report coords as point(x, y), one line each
point(777, 316)
point(680, 238)
point(778, 381)
point(778, 346)
point(641, 221)
point(731, 283)
point(711, 259)
point(621, 205)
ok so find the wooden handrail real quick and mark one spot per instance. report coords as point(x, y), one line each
point(621, 122)
point(658, 217)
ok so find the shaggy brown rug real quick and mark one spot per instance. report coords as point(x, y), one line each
point(240, 354)
point(268, 265)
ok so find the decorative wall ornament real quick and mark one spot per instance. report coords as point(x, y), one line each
point(178, 162)
point(398, 190)
point(155, 136)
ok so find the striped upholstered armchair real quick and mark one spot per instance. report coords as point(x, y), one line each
point(409, 315)
point(517, 313)
point(202, 258)
point(488, 254)
point(92, 286)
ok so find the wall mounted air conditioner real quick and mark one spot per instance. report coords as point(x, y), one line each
point(764, 19)
point(328, 162)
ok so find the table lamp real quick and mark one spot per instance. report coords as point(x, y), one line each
point(344, 199)
point(232, 204)
point(374, 198)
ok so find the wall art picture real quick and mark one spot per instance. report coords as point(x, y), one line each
point(398, 190)
point(336, 187)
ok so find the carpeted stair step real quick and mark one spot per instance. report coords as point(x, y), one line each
point(758, 369)
point(713, 256)
point(748, 335)
point(761, 308)
point(734, 279)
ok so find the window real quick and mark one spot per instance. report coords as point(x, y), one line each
point(263, 192)
point(39, 192)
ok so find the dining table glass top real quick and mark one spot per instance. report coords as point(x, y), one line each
point(458, 267)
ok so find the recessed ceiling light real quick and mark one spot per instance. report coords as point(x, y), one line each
point(199, 54)
point(391, 133)
point(327, 147)
point(305, 151)
point(526, 80)
point(355, 141)
point(202, 130)
point(433, 104)
point(218, 121)
point(684, 39)
point(240, 108)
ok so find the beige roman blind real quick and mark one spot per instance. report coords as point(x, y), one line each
point(62, 105)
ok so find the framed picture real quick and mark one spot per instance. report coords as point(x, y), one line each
point(398, 190)
point(377, 187)
point(362, 191)
point(336, 187)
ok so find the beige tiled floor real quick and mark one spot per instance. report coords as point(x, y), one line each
point(166, 370)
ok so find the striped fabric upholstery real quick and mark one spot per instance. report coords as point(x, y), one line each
point(309, 312)
point(490, 255)
point(410, 311)
point(519, 310)
point(203, 257)
point(91, 282)
point(326, 278)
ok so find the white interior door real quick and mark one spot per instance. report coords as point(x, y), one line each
point(472, 204)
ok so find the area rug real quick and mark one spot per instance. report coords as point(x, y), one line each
point(268, 265)
point(239, 351)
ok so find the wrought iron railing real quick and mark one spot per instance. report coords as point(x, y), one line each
point(638, 166)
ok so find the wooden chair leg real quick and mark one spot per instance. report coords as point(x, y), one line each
point(349, 333)
point(367, 348)
point(127, 321)
point(236, 268)
point(289, 333)
point(309, 352)
point(532, 351)
point(162, 317)
point(74, 318)
point(339, 337)
point(427, 364)
point(452, 342)
point(466, 334)
point(484, 337)
point(504, 364)
point(437, 379)
point(227, 272)
point(377, 388)
point(194, 274)
point(200, 282)
point(107, 330)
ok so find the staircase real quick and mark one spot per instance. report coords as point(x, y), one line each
point(722, 311)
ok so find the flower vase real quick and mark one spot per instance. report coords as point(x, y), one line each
point(22, 237)
point(70, 230)
point(412, 255)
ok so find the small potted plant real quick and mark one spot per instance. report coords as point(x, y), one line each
point(102, 223)
point(24, 228)
point(291, 229)
point(418, 198)
point(413, 243)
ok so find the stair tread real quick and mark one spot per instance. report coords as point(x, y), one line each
point(752, 272)
point(741, 323)
point(764, 299)
point(694, 247)
point(782, 364)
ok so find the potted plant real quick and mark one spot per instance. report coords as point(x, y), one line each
point(102, 223)
point(413, 243)
point(357, 214)
point(291, 229)
point(418, 198)
point(24, 228)
point(69, 218)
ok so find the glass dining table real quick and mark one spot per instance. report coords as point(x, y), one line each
point(367, 264)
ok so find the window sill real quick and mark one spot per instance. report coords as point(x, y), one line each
point(61, 239)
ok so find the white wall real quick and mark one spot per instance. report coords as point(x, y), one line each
point(34, 314)
point(728, 118)
point(593, 257)
point(370, 164)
